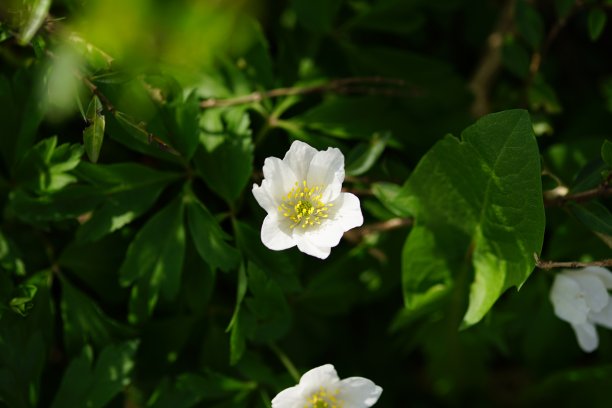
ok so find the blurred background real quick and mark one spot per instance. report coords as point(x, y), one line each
point(131, 132)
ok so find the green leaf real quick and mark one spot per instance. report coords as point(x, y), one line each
point(128, 189)
point(189, 389)
point(480, 196)
point(154, 261)
point(363, 156)
point(268, 304)
point(33, 16)
point(595, 217)
point(280, 265)
point(529, 24)
point(84, 322)
point(597, 23)
point(90, 385)
point(225, 156)
point(10, 260)
point(21, 114)
point(515, 58)
point(209, 238)
point(21, 303)
point(237, 337)
point(93, 134)
point(44, 169)
point(606, 152)
point(392, 197)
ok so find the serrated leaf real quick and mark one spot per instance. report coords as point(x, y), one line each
point(129, 189)
point(21, 303)
point(84, 322)
point(90, 385)
point(93, 134)
point(225, 160)
point(480, 195)
point(280, 265)
point(154, 261)
point(597, 23)
point(208, 237)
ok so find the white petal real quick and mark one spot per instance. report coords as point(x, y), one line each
point(323, 376)
point(279, 179)
point(595, 293)
point(288, 398)
point(358, 392)
point(603, 317)
point(299, 157)
point(328, 234)
point(275, 234)
point(310, 248)
point(604, 274)
point(347, 211)
point(568, 301)
point(264, 199)
point(587, 336)
point(327, 170)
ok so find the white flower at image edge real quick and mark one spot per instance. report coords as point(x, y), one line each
point(302, 195)
point(321, 388)
point(581, 298)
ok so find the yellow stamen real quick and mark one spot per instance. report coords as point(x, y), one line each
point(303, 205)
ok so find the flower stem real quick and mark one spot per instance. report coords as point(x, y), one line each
point(295, 374)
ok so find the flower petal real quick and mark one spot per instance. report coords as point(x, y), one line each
point(275, 234)
point(279, 179)
point(568, 301)
point(587, 336)
point(347, 211)
point(603, 317)
point(310, 248)
point(323, 376)
point(595, 292)
point(328, 234)
point(327, 170)
point(604, 274)
point(359, 392)
point(264, 199)
point(299, 157)
point(288, 398)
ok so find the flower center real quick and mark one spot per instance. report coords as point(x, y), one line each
point(303, 205)
point(324, 399)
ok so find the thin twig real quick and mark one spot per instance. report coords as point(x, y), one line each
point(344, 85)
point(356, 235)
point(490, 63)
point(108, 105)
point(571, 264)
point(603, 190)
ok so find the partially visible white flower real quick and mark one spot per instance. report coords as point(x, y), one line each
point(581, 298)
point(302, 195)
point(321, 388)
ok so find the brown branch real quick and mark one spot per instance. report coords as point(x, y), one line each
point(571, 264)
point(356, 235)
point(343, 86)
point(603, 190)
point(490, 63)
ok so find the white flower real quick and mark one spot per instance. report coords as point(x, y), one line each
point(302, 197)
point(321, 388)
point(581, 298)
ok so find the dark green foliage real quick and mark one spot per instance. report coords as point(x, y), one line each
point(476, 135)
